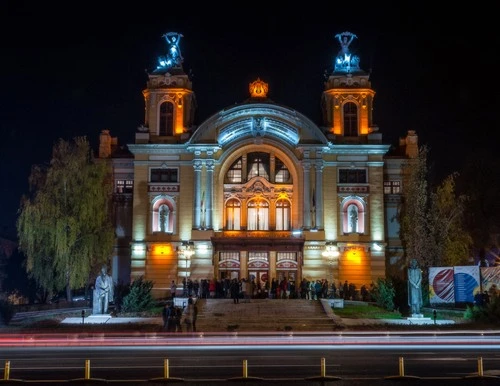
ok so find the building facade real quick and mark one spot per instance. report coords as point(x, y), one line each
point(257, 190)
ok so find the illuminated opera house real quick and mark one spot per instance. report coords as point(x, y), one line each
point(257, 190)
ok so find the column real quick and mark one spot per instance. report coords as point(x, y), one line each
point(197, 195)
point(307, 195)
point(209, 192)
point(319, 194)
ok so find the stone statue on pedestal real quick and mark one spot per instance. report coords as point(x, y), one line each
point(103, 292)
point(415, 288)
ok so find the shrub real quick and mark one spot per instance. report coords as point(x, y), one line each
point(383, 293)
point(488, 313)
point(7, 311)
point(121, 290)
point(139, 298)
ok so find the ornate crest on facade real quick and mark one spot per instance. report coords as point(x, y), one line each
point(258, 89)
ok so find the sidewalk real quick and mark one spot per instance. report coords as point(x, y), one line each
point(108, 319)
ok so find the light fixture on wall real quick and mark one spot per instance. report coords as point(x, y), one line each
point(331, 250)
point(185, 251)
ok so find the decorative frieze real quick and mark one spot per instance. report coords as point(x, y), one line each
point(353, 189)
point(163, 188)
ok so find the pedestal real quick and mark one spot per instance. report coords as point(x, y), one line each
point(419, 319)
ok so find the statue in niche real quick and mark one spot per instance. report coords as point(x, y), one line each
point(163, 218)
point(353, 215)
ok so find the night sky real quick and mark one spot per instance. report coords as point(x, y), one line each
point(80, 67)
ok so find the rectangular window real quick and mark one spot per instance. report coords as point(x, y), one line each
point(392, 187)
point(252, 256)
point(164, 175)
point(286, 256)
point(229, 256)
point(124, 186)
point(352, 176)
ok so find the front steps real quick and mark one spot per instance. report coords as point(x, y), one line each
point(264, 315)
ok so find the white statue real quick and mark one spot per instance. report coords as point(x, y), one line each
point(103, 292)
point(353, 214)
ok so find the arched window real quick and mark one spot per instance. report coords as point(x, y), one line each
point(233, 215)
point(163, 216)
point(353, 216)
point(258, 165)
point(166, 119)
point(350, 119)
point(282, 172)
point(234, 173)
point(258, 215)
point(282, 215)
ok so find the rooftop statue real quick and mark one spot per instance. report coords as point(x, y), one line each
point(173, 57)
point(345, 61)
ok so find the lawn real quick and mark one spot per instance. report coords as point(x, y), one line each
point(371, 311)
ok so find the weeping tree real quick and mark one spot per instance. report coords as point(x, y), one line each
point(64, 225)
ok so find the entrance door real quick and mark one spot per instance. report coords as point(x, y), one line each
point(289, 275)
point(229, 275)
point(260, 279)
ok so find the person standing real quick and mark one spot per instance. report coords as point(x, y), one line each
point(211, 288)
point(173, 289)
point(244, 290)
point(166, 316)
point(195, 312)
point(188, 315)
point(172, 321)
point(234, 290)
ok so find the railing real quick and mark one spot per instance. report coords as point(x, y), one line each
point(256, 234)
point(322, 378)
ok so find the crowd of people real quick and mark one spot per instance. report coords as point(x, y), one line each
point(275, 289)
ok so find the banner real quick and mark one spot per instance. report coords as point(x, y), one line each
point(490, 279)
point(441, 285)
point(467, 283)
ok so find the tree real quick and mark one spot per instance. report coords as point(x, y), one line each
point(64, 226)
point(447, 210)
point(480, 181)
point(415, 227)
